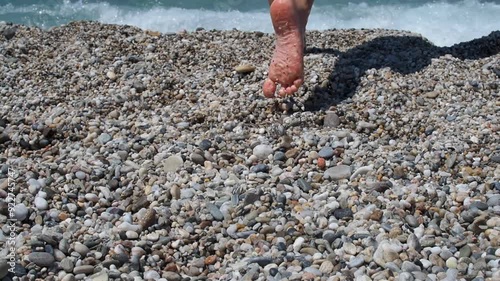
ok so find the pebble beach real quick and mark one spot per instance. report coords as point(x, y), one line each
point(129, 154)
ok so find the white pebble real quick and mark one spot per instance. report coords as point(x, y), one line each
point(20, 212)
point(91, 197)
point(262, 151)
point(41, 203)
point(297, 245)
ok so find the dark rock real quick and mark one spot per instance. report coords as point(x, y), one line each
point(113, 184)
point(342, 214)
point(304, 185)
point(262, 261)
point(205, 144)
point(9, 33)
point(4, 138)
point(260, 168)
point(139, 87)
point(479, 205)
point(495, 158)
point(279, 156)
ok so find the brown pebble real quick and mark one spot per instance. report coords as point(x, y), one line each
point(376, 215)
point(210, 260)
point(172, 267)
point(321, 163)
point(292, 153)
point(148, 219)
point(62, 216)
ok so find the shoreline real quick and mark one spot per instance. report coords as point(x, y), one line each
point(143, 154)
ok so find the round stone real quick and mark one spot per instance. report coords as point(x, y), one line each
point(20, 212)
point(262, 151)
point(205, 144)
point(41, 203)
point(326, 152)
point(80, 175)
point(451, 262)
point(81, 249)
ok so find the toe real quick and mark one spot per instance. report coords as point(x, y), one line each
point(282, 92)
point(297, 83)
point(269, 88)
point(291, 90)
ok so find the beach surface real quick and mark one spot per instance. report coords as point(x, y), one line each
point(128, 153)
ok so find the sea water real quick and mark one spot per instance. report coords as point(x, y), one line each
point(444, 22)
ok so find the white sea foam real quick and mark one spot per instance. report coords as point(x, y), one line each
point(444, 23)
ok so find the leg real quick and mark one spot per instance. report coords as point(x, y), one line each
point(289, 19)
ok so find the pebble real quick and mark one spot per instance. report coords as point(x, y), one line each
point(81, 249)
point(104, 138)
point(215, 212)
point(338, 172)
point(4, 268)
point(80, 175)
point(20, 212)
point(326, 152)
point(304, 185)
point(41, 203)
point(262, 151)
point(67, 265)
point(83, 269)
point(331, 120)
point(41, 259)
point(172, 163)
point(326, 267)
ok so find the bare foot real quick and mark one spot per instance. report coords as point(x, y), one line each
point(287, 64)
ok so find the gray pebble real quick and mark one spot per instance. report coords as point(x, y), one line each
point(479, 205)
point(411, 220)
point(356, 262)
point(83, 269)
point(338, 172)
point(215, 212)
point(41, 203)
point(326, 152)
point(331, 120)
point(494, 201)
point(260, 168)
point(172, 163)
point(67, 265)
point(4, 268)
point(304, 185)
point(197, 159)
point(104, 138)
point(80, 175)
point(41, 259)
point(81, 249)
point(20, 212)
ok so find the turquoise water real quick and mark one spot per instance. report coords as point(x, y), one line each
point(443, 22)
